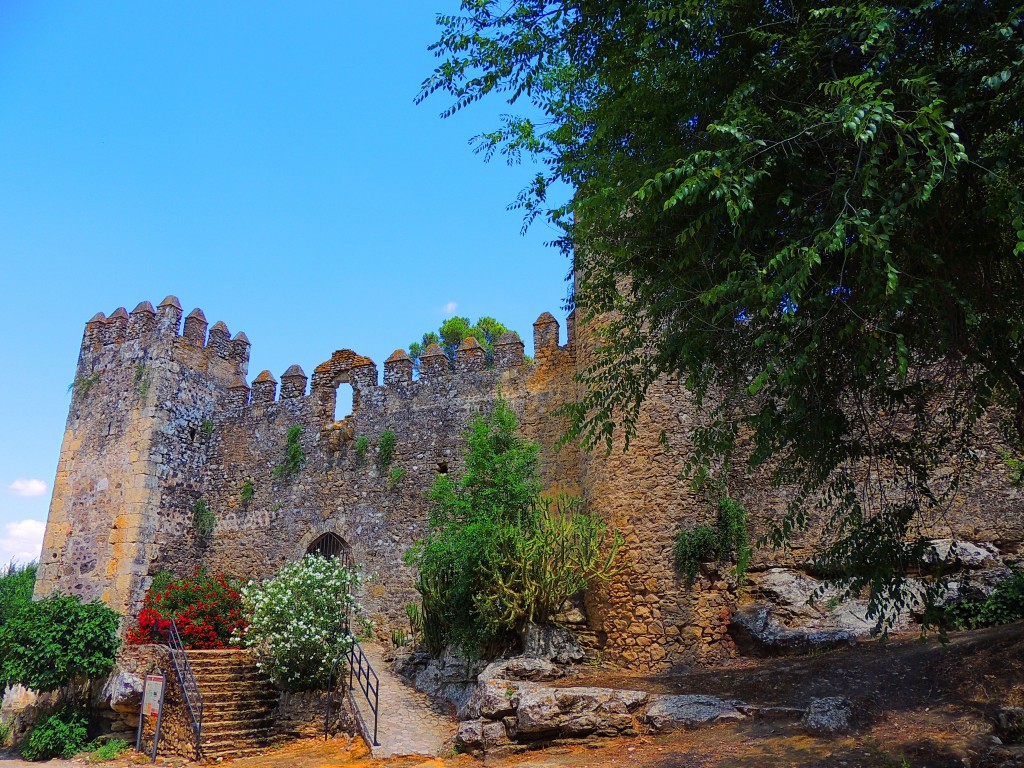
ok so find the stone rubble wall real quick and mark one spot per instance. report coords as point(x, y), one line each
point(169, 420)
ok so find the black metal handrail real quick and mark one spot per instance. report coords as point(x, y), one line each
point(189, 687)
point(360, 671)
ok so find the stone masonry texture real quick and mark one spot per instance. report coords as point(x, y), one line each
point(162, 418)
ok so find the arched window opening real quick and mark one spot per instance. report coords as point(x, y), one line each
point(331, 545)
point(343, 402)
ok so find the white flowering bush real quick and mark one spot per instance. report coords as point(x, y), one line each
point(297, 625)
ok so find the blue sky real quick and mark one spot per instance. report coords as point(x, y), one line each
point(262, 161)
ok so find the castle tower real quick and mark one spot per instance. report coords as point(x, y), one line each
point(141, 395)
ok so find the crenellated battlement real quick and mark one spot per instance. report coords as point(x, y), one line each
point(348, 367)
point(147, 335)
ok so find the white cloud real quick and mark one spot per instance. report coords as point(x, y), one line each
point(22, 541)
point(449, 308)
point(26, 487)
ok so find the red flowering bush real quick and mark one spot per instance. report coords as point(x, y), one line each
point(205, 608)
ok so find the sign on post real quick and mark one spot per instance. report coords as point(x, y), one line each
point(152, 706)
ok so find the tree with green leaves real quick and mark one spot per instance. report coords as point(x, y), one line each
point(454, 331)
point(809, 212)
point(498, 554)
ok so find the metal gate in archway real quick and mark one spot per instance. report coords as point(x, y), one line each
point(331, 545)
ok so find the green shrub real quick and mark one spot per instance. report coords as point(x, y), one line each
point(204, 522)
point(206, 427)
point(497, 554)
point(386, 449)
point(5, 733)
point(207, 609)
point(703, 544)
point(1005, 604)
point(16, 585)
point(362, 446)
point(50, 641)
point(295, 455)
point(108, 750)
point(62, 734)
point(297, 621)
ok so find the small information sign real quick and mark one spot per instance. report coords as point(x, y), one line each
point(154, 694)
point(152, 706)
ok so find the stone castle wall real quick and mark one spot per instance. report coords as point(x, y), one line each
point(165, 419)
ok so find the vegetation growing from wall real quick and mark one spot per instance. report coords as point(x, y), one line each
point(247, 492)
point(204, 522)
point(454, 331)
point(82, 384)
point(362, 446)
point(385, 449)
point(142, 380)
point(64, 733)
point(498, 554)
point(298, 621)
point(750, 192)
point(728, 538)
point(48, 642)
point(207, 610)
point(395, 477)
point(295, 455)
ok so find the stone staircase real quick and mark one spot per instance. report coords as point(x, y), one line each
point(239, 704)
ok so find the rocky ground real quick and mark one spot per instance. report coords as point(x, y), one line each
point(916, 703)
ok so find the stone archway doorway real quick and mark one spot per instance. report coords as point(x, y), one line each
point(331, 545)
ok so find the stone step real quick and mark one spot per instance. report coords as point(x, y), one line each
point(249, 713)
point(222, 701)
point(216, 727)
point(237, 690)
point(245, 676)
point(211, 669)
point(249, 735)
point(234, 703)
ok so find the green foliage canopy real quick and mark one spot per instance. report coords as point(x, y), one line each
point(50, 641)
point(812, 208)
point(454, 331)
